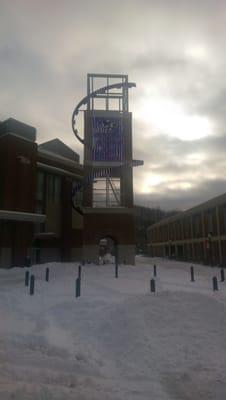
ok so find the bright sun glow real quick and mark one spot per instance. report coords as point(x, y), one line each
point(151, 182)
point(171, 119)
point(194, 158)
point(180, 186)
point(197, 52)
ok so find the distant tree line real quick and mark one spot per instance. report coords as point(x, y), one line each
point(145, 217)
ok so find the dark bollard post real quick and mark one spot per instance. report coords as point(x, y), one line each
point(77, 288)
point(83, 262)
point(152, 285)
point(47, 274)
point(116, 270)
point(116, 262)
point(116, 266)
point(79, 271)
point(32, 285)
point(215, 284)
point(155, 270)
point(192, 274)
point(27, 261)
point(222, 275)
point(80, 278)
point(27, 278)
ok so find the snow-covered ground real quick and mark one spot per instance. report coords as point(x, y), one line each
point(117, 341)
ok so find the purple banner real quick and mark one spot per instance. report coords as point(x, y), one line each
point(108, 142)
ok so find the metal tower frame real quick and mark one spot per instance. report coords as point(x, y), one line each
point(117, 91)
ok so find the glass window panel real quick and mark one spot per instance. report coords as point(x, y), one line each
point(40, 186)
point(57, 188)
point(53, 187)
point(106, 192)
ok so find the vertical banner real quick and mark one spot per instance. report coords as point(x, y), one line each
point(107, 139)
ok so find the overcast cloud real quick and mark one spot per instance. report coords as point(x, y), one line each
point(174, 51)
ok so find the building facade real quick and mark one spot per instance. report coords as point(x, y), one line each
point(37, 221)
point(197, 234)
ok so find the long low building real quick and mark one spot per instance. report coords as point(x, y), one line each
point(197, 234)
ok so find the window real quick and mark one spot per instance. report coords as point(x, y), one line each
point(210, 221)
point(77, 193)
point(177, 229)
point(39, 227)
point(224, 217)
point(106, 192)
point(171, 236)
point(57, 188)
point(53, 187)
point(187, 228)
point(197, 226)
point(40, 186)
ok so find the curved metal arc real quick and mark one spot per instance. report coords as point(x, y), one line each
point(85, 100)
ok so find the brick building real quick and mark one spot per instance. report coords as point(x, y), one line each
point(197, 234)
point(36, 217)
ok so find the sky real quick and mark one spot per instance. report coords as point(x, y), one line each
point(173, 50)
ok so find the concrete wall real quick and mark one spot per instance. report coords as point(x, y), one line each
point(5, 257)
point(91, 253)
point(53, 217)
point(77, 254)
point(77, 220)
point(46, 254)
point(126, 254)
